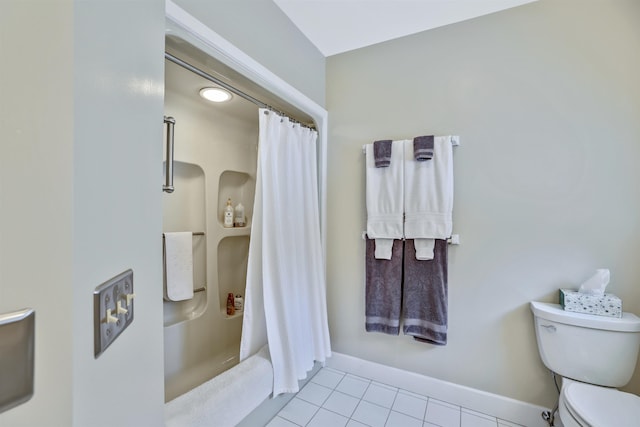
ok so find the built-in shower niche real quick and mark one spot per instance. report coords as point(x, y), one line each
point(184, 210)
point(233, 253)
point(240, 187)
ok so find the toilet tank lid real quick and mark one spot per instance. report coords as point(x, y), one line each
point(627, 323)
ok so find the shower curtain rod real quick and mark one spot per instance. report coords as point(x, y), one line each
point(230, 88)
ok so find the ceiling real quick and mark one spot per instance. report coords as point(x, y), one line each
point(337, 26)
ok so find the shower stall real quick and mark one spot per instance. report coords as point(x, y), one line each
point(214, 159)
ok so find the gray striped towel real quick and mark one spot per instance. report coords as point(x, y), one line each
point(423, 148)
point(382, 153)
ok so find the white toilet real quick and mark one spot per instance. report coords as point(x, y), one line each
point(593, 354)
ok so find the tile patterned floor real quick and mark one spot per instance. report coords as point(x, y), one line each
point(338, 399)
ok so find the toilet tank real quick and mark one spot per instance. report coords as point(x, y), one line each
point(594, 349)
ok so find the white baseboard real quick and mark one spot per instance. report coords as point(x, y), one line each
point(504, 408)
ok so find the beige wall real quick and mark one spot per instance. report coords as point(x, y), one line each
point(36, 168)
point(546, 99)
point(80, 201)
point(81, 90)
point(117, 222)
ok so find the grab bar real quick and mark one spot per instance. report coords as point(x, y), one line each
point(168, 173)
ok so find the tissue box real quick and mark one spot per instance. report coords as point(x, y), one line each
point(600, 305)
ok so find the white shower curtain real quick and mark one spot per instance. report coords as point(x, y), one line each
point(285, 301)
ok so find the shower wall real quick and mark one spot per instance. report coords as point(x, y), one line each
point(215, 159)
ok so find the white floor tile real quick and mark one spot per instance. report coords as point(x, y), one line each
point(380, 395)
point(442, 415)
point(324, 418)
point(314, 393)
point(477, 414)
point(396, 419)
point(332, 397)
point(443, 403)
point(353, 386)
point(410, 404)
point(280, 422)
point(410, 393)
point(370, 414)
point(328, 377)
point(474, 419)
point(341, 403)
point(298, 411)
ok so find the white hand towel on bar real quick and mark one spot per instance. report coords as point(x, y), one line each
point(385, 200)
point(428, 189)
point(178, 264)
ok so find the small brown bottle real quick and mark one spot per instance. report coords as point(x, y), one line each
point(230, 305)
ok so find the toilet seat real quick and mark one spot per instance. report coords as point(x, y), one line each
point(594, 406)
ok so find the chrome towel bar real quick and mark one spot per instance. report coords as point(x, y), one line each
point(455, 141)
point(195, 233)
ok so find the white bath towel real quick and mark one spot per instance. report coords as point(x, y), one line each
point(178, 264)
point(385, 199)
point(428, 193)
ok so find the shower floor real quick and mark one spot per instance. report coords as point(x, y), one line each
point(335, 398)
point(199, 374)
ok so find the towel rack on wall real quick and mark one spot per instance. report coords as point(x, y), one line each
point(453, 240)
point(202, 289)
point(195, 233)
point(170, 122)
point(455, 141)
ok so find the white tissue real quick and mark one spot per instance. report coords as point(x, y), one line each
point(596, 284)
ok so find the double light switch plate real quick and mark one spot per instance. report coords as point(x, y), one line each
point(113, 310)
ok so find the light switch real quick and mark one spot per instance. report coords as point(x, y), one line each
point(120, 309)
point(113, 310)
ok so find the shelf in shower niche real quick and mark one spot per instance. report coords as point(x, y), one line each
point(235, 231)
point(233, 316)
point(240, 188)
point(233, 253)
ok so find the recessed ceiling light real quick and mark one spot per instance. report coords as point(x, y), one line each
point(215, 94)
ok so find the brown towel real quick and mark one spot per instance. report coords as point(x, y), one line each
point(383, 295)
point(424, 312)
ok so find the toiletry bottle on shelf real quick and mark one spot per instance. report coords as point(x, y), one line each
point(230, 305)
point(239, 220)
point(228, 215)
point(238, 303)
